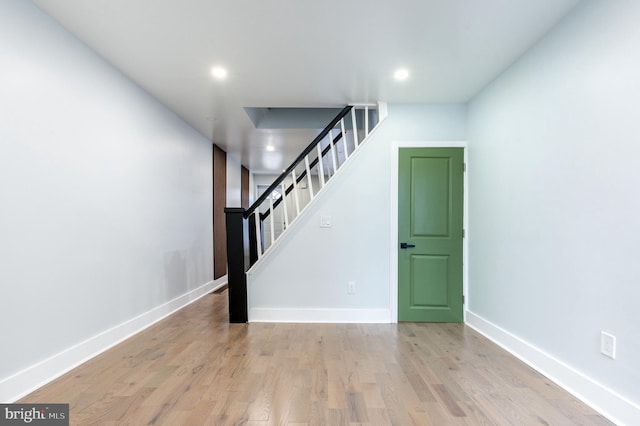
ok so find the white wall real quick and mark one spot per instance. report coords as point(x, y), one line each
point(306, 279)
point(555, 195)
point(234, 181)
point(106, 195)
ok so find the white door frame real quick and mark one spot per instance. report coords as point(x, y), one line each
point(393, 267)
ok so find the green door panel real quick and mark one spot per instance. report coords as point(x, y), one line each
point(430, 217)
point(429, 197)
point(435, 267)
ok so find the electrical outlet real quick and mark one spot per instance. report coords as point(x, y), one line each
point(608, 345)
point(351, 287)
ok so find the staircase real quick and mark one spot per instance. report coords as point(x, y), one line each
point(276, 210)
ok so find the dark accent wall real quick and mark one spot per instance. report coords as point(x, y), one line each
point(244, 188)
point(219, 202)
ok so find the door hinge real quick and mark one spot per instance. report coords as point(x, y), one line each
point(463, 299)
point(463, 233)
point(464, 167)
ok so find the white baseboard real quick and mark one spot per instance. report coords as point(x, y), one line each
point(320, 315)
point(26, 381)
point(613, 406)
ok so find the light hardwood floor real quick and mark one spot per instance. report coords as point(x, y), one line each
point(194, 368)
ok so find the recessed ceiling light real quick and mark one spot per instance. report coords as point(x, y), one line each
point(219, 72)
point(270, 148)
point(401, 74)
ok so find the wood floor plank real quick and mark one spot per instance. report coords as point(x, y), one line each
point(448, 401)
point(194, 368)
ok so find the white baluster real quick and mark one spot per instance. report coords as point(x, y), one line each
point(271, 221)
point(256, 214)
point(320, 167)
point(355, 128)
point(284, 225)
point(333, 154)
point(306, 165)
point(296, 197)
point(284, 206)
point(366, 121)
point(344, 139)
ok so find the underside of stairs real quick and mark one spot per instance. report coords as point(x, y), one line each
point(254, 234)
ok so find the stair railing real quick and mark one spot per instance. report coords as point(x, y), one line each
point(288, 195)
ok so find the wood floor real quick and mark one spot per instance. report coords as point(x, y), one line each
point(194, 368)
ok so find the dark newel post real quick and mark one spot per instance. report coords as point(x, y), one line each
point(237, 280)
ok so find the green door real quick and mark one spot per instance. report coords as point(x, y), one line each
point(430, 209)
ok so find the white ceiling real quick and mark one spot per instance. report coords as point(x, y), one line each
point(287, 53)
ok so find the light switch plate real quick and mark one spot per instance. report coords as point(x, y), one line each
point(325, 221)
